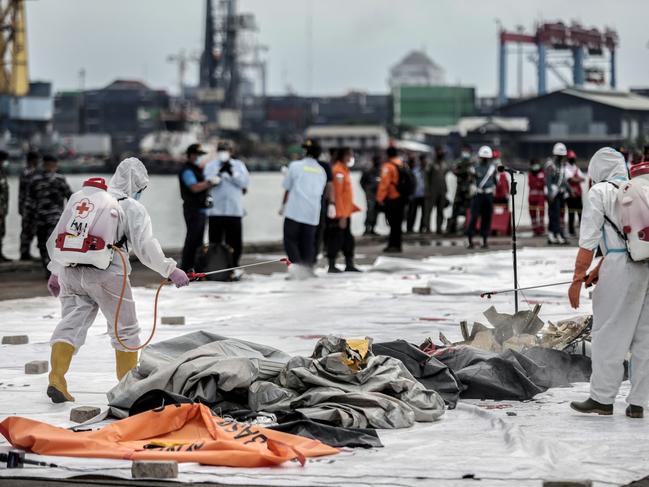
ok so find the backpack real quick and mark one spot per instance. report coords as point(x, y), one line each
point(632, 207)
point(213, 257)
point(406, 183)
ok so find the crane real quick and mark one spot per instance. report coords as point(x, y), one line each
point(14, 77)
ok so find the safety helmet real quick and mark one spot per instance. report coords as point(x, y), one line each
point(497, 154)
point(559, 149)
point(485, 152)
point(572, 155)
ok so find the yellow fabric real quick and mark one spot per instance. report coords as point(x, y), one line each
point(124, 361)
point(60, 363)
point(357, 351)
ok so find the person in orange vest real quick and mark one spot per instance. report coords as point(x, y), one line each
point(392, 200)
point(340, 233)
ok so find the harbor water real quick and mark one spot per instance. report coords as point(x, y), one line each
point(261, 224)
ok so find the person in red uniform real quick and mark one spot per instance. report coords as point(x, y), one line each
point(536, 198)
point(574, 201)
point(340, 233)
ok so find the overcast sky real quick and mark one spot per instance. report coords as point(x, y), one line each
point(354, 41)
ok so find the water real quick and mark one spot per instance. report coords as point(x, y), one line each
point(262, 223)
point(162, 199)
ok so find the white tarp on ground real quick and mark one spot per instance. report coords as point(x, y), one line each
point(544, 439)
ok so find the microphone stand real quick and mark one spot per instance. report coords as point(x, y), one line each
point(512, 192)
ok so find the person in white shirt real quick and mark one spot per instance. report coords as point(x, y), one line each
point(304, 183)
point(226, 214)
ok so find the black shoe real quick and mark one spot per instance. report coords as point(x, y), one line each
point(334, 270)
point(56, 396)
point(485, 246)
point(634, 411)
point(27, 258)
point(352, 268)
point(590, 406)
point(392, 250)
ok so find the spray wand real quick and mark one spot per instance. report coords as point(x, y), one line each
point(488, 294)
point(192, 276)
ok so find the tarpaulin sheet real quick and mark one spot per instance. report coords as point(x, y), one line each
point(432, 373)
point(512, 375)
point(183, 433)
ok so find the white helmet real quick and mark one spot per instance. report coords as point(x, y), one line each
point(559, 149)
point(485, 152)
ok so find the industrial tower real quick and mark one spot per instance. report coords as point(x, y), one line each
point(14, 78)
point(581, 42)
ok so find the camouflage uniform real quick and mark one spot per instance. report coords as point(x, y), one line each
point(44, 205)
point(4, 205)
point(27, 230)
point(465, 174)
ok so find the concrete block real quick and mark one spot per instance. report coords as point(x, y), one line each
point(424, 291)
point(172, 320)
point(567, 483)
point(37, 367)
point(15, 340)
point(154, 470)
point(82, 414)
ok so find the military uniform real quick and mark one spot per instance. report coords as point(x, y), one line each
point(27, 226)
point(464, 173)
point(4, 206)
point(44, 204)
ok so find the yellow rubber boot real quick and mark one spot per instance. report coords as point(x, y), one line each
point(124, 361)
point(60, 360)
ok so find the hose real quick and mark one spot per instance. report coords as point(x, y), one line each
point(121, 299)
point(163, 283)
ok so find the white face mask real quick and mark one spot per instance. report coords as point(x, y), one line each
point(223, 155)
point(351, 162)
point(198, 160)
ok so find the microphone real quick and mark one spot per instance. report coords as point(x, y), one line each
point(503, 168)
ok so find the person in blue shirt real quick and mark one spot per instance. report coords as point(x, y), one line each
point(304, 184)
point(417, 166)
point(194, 189)
point(227, 212)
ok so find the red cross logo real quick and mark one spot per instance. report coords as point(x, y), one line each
point(84, 208)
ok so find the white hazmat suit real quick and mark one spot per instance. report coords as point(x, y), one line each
point(620, 300)
point(85, 289)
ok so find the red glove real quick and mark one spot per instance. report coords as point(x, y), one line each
point(582, 263)
point(179, 278)
point(53, 285)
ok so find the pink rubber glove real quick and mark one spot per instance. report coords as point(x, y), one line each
point(53, 285)
point(179, 278)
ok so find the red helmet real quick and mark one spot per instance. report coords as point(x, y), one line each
point(571, 154)
point(497, 154)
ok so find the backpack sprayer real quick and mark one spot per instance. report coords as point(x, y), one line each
point(193, 276)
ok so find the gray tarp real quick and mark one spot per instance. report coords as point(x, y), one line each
point(201, 366)
point(198, 365)
point(382, 394)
